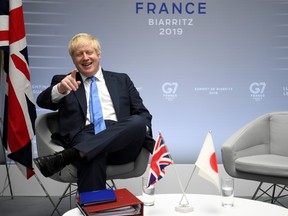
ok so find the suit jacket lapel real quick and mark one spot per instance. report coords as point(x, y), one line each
point(80, 95)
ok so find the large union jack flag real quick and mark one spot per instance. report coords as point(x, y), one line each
point(160, 159)
point(19, 112)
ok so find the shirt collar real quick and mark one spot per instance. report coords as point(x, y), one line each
point(99, 74)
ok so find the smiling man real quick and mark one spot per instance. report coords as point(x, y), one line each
point(117, 140)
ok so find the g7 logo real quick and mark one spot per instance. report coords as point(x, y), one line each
point(169, 88)
point(257, 88)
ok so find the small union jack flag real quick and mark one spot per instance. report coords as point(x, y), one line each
point(160, 159)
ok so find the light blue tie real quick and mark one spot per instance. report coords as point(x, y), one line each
point(96, 116)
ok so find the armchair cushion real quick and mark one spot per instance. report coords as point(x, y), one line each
point(266, 164)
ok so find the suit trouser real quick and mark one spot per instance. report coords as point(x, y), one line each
point(120, 143)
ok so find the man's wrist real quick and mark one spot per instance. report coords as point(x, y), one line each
point(59, 89)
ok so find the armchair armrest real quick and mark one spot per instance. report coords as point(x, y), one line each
point(251, 139)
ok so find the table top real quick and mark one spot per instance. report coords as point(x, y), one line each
point(205, 205)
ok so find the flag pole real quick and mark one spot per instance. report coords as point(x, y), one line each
point(183, 208)
point(188, 182)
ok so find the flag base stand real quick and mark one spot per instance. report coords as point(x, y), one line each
point(184, 208)
point(7, 169)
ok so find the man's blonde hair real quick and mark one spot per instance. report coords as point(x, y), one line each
point(84, 39)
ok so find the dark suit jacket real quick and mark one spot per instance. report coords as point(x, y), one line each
point(72, 108)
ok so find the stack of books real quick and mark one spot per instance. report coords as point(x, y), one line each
point(109, 202)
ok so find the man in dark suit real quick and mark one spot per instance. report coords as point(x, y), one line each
point(127, 120)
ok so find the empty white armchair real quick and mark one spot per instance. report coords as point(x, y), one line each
point(259, 151)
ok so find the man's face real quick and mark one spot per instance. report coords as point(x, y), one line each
point(86, 60)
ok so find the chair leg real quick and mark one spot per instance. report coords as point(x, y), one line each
point(271, 192)
point(47, 194)
point(264, 192)
point(255, 193)
point(112, 185)
point(276, 198)
point(65, 194)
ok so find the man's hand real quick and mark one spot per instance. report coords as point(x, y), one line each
point(69, 83)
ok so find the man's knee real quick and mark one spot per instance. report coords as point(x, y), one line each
point(137, 121)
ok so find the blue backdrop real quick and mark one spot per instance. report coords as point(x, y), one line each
point(198, 65)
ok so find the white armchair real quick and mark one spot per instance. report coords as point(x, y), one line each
point(259, 151)
point(46, 124)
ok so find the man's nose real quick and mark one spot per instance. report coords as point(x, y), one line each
point(85, 56)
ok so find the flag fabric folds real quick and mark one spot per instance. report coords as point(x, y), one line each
point(19, 116)
point(207, 162)
point(160, 159)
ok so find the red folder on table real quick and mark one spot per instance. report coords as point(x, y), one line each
point(126, 204)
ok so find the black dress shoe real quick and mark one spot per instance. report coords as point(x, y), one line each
point(51, 164)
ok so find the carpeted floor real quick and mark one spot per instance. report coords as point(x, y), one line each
point(32, 206)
